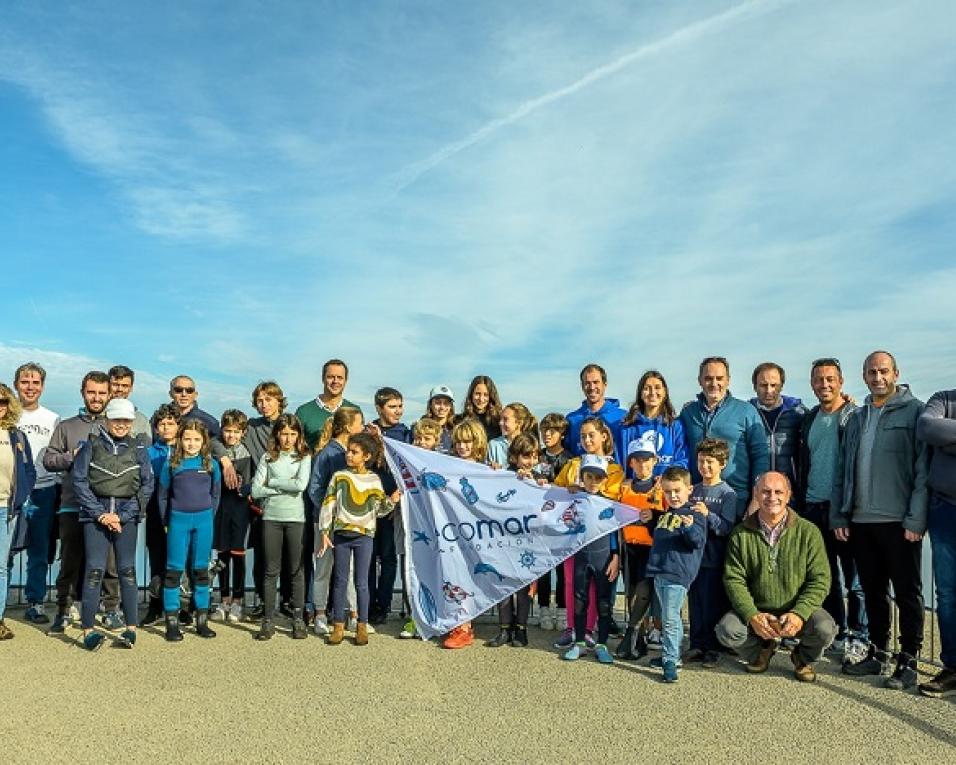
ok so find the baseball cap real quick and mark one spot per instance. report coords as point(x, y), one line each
point(594, 463)
point(120, 409)
point(646, 443)
point(441, 390)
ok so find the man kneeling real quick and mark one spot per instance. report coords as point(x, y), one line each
point(777, 577)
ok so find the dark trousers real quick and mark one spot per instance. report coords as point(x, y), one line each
point(849, 611)
point(98, 541)
point(942, 536)
point(69, 580)
point(513, 611)
point(234, 564)
point(883, 556)
point(817, 633)
point(282, 541)
point(258, 556)
point(356, 550)
point(544, 591)
point(559, 596)
point(706, 603)
point(156, 551)
point(384, 565)
point(589, 567)
point(640, 588)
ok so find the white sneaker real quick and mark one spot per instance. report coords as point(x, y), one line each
point(560, 618)
point(654, 639)
point(74, 613)
point(218, 613)
point(369, 629)
point(351, 624)
point(546, 618)
point(235, 612)
point(321, 626)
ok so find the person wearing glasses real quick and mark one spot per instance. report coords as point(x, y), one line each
point(715, 413)
point(821, 436)
point(183, 392)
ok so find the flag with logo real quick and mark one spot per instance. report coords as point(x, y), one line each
point(475, 535)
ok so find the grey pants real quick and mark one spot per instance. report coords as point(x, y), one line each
point(817, 633)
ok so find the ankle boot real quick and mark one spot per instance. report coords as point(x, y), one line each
point(520, 635)
point(202, 624)
point(266, 630)
point(153, 614)
point(173, 633)
point(640, 645)
point(361, 633)
point(625, 649)
point(338, 633)
point(502, 638)
point(298, 625)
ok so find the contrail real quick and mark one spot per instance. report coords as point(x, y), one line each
point(685, 34)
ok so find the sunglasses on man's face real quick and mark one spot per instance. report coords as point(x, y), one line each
point(183, 389)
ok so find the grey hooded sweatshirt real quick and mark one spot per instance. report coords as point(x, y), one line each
point(937, 428)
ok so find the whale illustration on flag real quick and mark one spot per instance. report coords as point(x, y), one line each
point(472, 532)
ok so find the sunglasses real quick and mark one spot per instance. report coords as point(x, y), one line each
point(183, 389)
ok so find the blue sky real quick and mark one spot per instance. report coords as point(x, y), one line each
point(432, 190)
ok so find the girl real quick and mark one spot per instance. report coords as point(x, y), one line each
point(596, 439)
point(483, 404)
point(652, 410)
point(353, 503)
point(189, 489)
point(515, 418)
point(330, 458)
point(17, 477)
point(165, 422)
point(513, 610)
point(232, 519)
point(280, 482)
point(441, 407)
point(113, 480)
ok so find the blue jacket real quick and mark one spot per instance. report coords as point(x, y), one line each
point(189, 488)
point(327, 462)
point(677, 549)
point(783, 437)
point(400, 432)
point(611, 413)
point(737, 423)
point(92, 506)
point(24, 475)
point(671, 444)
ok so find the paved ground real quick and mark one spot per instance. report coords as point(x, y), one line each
point(291, 700)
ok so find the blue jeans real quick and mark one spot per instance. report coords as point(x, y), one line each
point(97, 541)
point(6, 537)
point(671, 597)
point(183, 529)
point(942, 538)
point(39, 516)
point(358, 552)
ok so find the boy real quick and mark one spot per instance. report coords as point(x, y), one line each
point(381, 575)
point(644, 493)
point(675, 559)
point(716, 502)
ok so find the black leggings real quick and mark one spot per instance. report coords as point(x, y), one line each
point(544, 589)
point(238, 567)
point(509, 615)
point(282, 541)
point(589, 565)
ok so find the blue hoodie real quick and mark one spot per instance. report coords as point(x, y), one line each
point(671, 444)
point(678, 549)
point(611, 413)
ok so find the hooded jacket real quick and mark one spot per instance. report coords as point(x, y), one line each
point(58, 457)
point(937, 428)
point(783, 437)
point(93, 505)
point(671, 443)
point(899, 467)
point(24, 473)
point(611, 412)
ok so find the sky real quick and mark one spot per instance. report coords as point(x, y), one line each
point(431, 190)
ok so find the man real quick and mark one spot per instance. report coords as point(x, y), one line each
point(121, 386)
point(880, 507)
point(313, 414)
point(822, 433)
point(68, 436)
point(776, 574)
point(781, 417)
point(937, 428)
point(37, 423)
point(717, 414)
point(596, 404)
point(183, 392)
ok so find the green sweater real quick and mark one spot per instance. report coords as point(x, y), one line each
point(797, 581)
point(313, 417)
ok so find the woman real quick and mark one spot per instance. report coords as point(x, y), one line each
point(17, 476)
point(482, 403)
point(652, 410)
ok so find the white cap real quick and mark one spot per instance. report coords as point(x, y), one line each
point(441, 390)
point(646, 443)
point(594, 463)
point(120, 409)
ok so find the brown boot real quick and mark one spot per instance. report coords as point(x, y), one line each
point(802, 671)
point(5, 632)
point(762, 662)
point(338, 633)
point(361, 634)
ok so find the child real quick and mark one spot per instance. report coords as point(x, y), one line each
point(425, 435)
point(233, 517)
point(717, 503)
point(165, 424)
point(280, 482)
point(596, 439)
point(470, 443)
point(353, 503)
point(675, 558)
point(513, 610)
point(113, 481)
point(189, 487)
point(441, 407)
point(330, 458)
point(553, 459)
point(644, 493)
point(515, 418)
point(597, 563)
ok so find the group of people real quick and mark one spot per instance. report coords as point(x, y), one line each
point(780, 525)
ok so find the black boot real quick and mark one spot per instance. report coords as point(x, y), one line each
point(153, 614)
point(202, 624)
point(185, 617)
point(298, 625)
point(266, 631)
point(904, 676)
point(502, 638)
point(520, 635)
point(640, 645)
point(876, 662)
point(625, 649)
point(173, 633)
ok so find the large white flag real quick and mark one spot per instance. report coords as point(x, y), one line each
point(474, 535)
